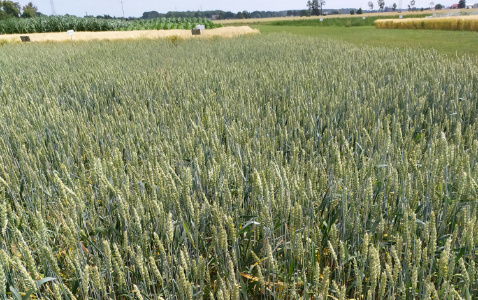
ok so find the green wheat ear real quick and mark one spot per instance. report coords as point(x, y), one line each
point(3, 280)
point(273, 166)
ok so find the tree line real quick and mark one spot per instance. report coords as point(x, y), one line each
point(11, 9)
point(223, 15)
point(219, 14)
point(315, 7)
point(411, 5)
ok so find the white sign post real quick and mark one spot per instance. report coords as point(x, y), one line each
point(71, 33)
point(321, 19)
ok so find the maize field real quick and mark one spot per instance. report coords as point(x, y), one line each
point(64, 23)
point(257, 167)
point(468, 23)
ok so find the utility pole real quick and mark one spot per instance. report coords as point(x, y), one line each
point(52, 4)
point(122, 7)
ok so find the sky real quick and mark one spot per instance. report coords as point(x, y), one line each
point(135, 8)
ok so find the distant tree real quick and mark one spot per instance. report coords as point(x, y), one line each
point(461, 4)
point(304, 13)
point(359, 11)
point(321, 4)
point(439, 6)
point(105, 17)
point(352, 12)
point(150, 15)
point(432, 4)
point(243, 15)
point(293, 13)
point(229, 15)
point(29, 11)
point(381, 4)
point(11, 9)
point(314, 7)
point(256, 15)
point(370, 5)
point(394, 6)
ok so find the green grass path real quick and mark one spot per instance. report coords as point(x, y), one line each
point(450, 43)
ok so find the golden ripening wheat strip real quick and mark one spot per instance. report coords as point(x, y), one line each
point(469, 23)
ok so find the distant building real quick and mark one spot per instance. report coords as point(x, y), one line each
point(475, 5)
point(469, 6)
point(455, 6)
point(214, 17)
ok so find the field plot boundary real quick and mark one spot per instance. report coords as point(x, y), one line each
point(468, 23)
point(124, 35)
point(273, 19)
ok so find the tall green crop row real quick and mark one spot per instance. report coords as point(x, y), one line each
point(258, 167)
point(64, 23)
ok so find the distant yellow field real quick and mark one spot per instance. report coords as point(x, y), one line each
point(121, 35)
point(469, 23)
point(404, 13)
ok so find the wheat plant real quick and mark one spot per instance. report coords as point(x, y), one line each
point(262, 167)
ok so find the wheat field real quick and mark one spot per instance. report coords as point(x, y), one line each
point(257, 167)
point(469, 23)
point(125, 35)
point(377, 14)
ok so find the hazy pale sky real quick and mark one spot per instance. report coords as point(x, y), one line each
point(135, 8)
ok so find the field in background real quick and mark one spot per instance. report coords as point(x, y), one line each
point(384, 14)
point(351, 21)
point(467, 23)
point(273, 166)
point(451, 43)
point(121, 35)
point(360, 31)
point(64, 23)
